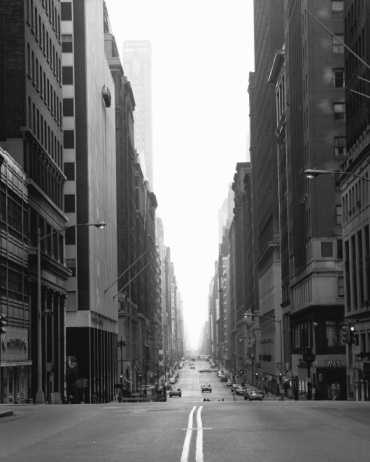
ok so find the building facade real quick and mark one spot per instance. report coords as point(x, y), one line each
point(15, 352)
point(89, 197)
point(355, 193)
point(268, 23)
point(31, 108)
point(311, 130)
point(137, 61)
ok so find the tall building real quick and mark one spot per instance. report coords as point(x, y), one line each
point(31, 131)
point(355, 192)
point(15, 359)
point(311, 130)
point(137, 62)
point(268, 31)
point(89, 198)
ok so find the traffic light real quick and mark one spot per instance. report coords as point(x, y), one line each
point(344, 334)
point(3, 324)
point(353, 335)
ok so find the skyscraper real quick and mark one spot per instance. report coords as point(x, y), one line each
point(137, 62)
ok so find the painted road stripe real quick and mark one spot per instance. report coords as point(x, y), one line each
point(187, 441)
point(199, 444)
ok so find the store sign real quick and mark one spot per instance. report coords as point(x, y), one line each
point(330, 363)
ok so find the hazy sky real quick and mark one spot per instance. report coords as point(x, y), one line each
point(202, 52)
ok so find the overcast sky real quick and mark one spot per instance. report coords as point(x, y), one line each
point(202, 52)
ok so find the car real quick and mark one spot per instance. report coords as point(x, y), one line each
point(206, 388)
point(228, 383)
point(239, 390)
point(172, 380)
point(253, 395)
point(223, 378)
point(192, 367)
point(176, 392)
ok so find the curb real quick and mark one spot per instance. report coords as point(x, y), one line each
point(6, 413)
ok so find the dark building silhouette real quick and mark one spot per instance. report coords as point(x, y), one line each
point(31, 131)
point(355, 191)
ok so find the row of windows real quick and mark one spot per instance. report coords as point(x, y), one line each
point(13, 213)
point(14, 281)
point(357, 269)
point(45, 174)
point(321, 336)
point(357, 197)
point(51, 13)
point(44, 87)
point(44, 134)
point(45, 43)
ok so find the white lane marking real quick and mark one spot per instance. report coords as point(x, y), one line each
point(187, 440)
point(199, 444)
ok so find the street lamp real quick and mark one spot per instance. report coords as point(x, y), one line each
point(312, 173)
point(40, 397)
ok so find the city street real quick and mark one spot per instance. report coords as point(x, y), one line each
point(188, 429)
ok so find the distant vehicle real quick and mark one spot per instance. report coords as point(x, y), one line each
point(176, 392)
point(228, 383)
point(239, 390)
point(206, 388)
point(192, 366)
point(253, 394)
point(223, 378)
point(172, 380)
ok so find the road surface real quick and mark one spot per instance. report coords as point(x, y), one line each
point(189, 429)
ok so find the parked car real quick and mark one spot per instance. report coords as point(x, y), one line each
point(172, 380)
point(206, 388)
point(228, 383)
point(253, 395)
point(223, 378)
point(192, 366)
point(239, 390)
point(176, 392)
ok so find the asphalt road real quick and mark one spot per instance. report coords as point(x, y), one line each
point(189, 429)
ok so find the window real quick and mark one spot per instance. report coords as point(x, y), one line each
point(338, 43)
point(71, 265)
point(67, 43)
point(339, 249)
point(69, 170)
point(69, 139)
point(337, 6)
point(68, 107)
point(338, 75)
point(326, 249)
point(340, 286)
point(69, 203)
point(339, 146)
point(66, 11)
point(71, 236)
point(67, 75)
point(339, 110)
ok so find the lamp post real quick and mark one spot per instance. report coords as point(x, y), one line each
point(40, 397)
